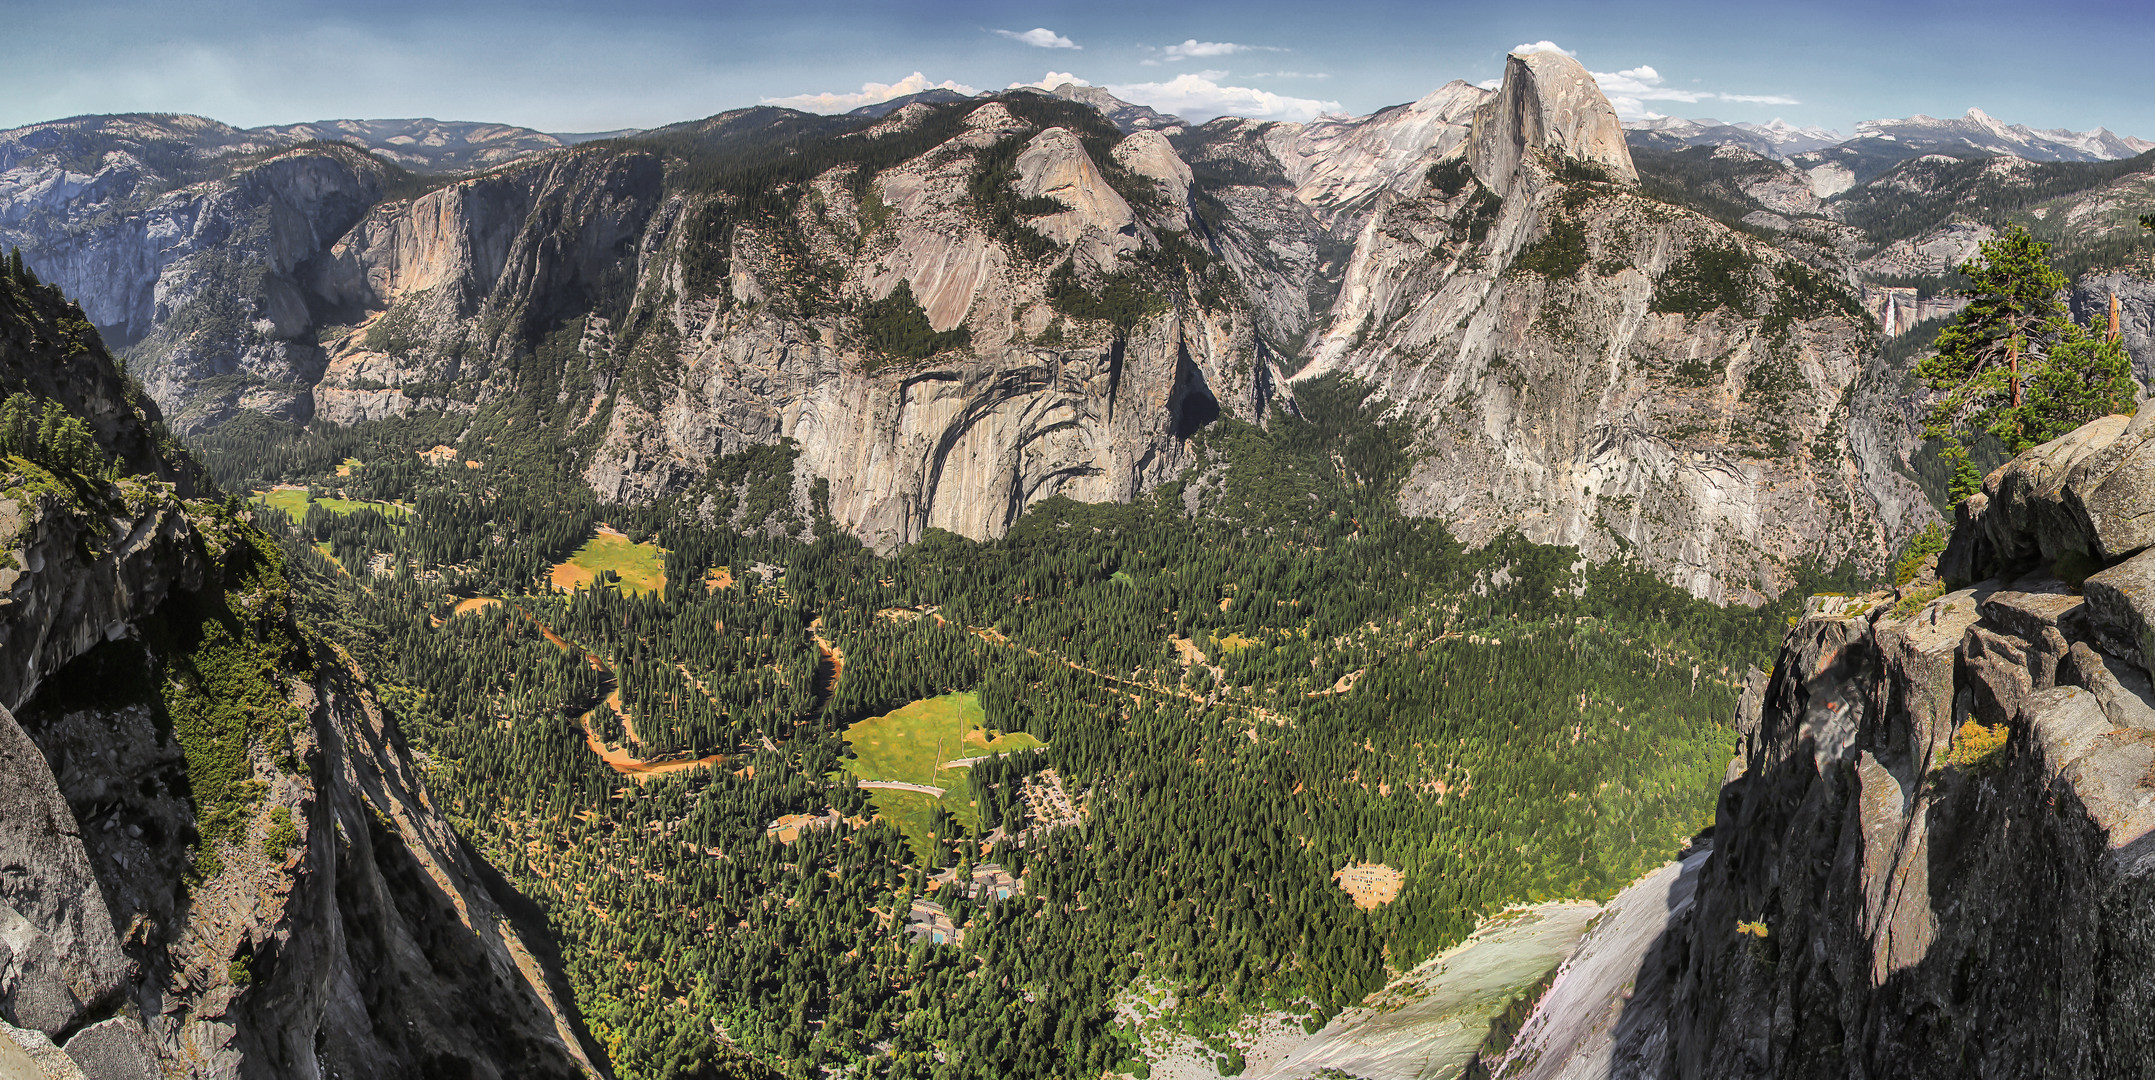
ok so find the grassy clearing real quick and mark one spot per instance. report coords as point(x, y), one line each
point(293, 502)
point(911, 746)
point(641, 566)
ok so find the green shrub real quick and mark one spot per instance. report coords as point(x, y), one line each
point(897, 326)
point(1711, 276)
point(1931, 541)
point(988, 186)
point(1450, 177)
point(283, 834)
point(50, 436)
point(1806, 294)
point(1559, 253)
point(1914, 602)
point(1118, 300)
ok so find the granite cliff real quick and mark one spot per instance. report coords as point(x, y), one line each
point(1930, 857)
point(1584, 361)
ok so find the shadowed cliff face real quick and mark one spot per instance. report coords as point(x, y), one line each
point(1583, 363)
point(1933, 853)
point(216, 855)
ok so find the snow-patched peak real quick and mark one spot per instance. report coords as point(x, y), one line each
point(1549, 104)
point(1776, 139)
point(1978, 131)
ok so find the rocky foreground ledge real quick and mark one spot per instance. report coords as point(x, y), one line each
point(1934, 854)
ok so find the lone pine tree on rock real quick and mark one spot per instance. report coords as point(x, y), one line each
point(2014, 364)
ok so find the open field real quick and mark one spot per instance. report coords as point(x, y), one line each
point(476, 603)
point(293, 502)
point(912, 745)
point(641, 566)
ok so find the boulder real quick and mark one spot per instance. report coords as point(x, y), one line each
point(2089, 493)
point(2121, 609)
point(58, 954)
point(114, 1049)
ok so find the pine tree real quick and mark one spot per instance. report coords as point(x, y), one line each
point(2013, 363)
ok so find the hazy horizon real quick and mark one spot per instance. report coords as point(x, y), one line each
point(565, 68)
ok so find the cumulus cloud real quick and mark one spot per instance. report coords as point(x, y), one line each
point(1629, 89)
point(1198, 97)
point(1051, 80)
point(1040, 37)
point(870, 94)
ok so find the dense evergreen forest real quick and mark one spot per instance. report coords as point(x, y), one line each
point(1238, 702)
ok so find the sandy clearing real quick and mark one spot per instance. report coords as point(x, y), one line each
point(1372, 885)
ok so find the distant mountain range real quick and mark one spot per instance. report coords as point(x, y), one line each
point(1878, 145)
point(1778, 139)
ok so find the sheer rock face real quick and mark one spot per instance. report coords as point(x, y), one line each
point(1055, 165)
point(1548, 105)
point(1894, 892)
point(371, 946)
point(206, 281)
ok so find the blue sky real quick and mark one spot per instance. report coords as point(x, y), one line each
point(583, 66)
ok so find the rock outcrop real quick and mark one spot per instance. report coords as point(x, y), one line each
point(1932, 853)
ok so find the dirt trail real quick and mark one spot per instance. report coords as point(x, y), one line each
point(833, 658)
point(993, 636)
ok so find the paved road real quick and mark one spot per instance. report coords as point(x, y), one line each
point(894, 785)
point(966, 761)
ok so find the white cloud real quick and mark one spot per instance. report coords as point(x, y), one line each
point(1630, 89)
point(1292, 75)
point(1040, 37)
point(870, 94)
point(1544, 45)
point(1194, 48)
point(1051, 80)
point(1198, 97)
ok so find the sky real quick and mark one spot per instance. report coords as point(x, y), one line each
point(584, 65)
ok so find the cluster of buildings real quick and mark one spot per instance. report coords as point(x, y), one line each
point(988, 882)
